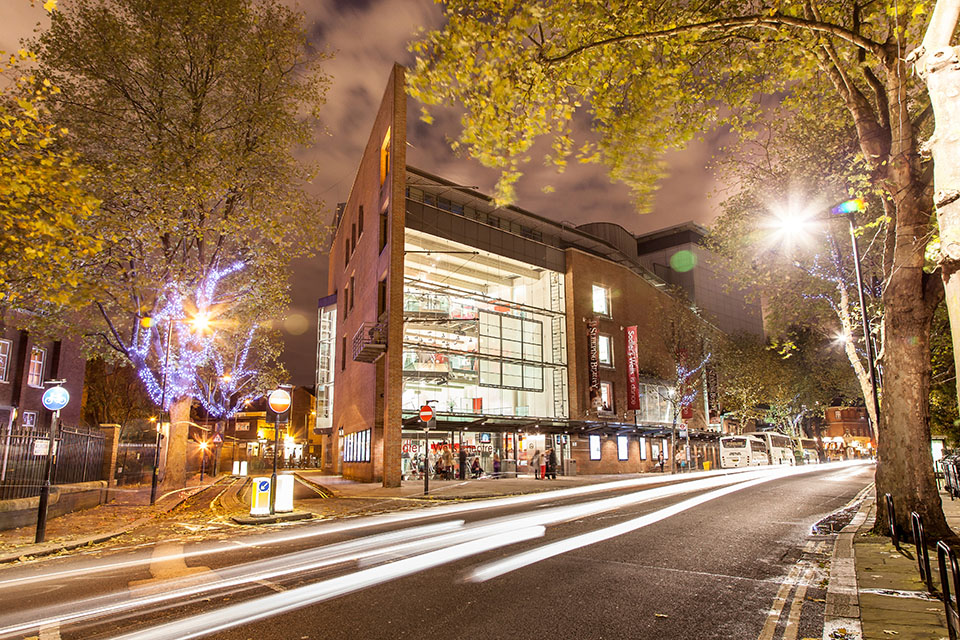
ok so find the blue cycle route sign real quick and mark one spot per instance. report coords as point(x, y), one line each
point(55, 398)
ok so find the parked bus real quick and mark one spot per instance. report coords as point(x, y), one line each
point(808, 447)
point(742, 451)
point(779, 447)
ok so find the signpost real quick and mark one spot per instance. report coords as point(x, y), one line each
point(428, 418)
point(279, 403)
point(54, 399)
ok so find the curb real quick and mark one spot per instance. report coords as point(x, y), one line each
point(278, 517)
point(841, 617)
point(45, 549)
point(325, 491)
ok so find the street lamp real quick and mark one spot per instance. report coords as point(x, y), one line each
point(848, 209)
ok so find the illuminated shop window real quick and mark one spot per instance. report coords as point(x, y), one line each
point(594, 447)
point(356, 446)
point(623, 452)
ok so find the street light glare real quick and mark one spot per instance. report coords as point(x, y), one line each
point(201, 321)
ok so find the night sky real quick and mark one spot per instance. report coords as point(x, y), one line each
point(366, 38)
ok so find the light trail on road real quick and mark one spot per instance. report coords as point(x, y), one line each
point(386, 550)
point(324, 529)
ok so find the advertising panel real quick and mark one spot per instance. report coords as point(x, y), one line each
point(633, 370)
point(593, 361)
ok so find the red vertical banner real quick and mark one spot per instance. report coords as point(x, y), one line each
point(633, 370)
point(593, 361)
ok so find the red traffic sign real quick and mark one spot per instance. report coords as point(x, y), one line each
point(217, 438)
point(426, 413)
point(279, 400)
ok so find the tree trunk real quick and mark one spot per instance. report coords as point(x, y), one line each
point(905, 461)
point(850, 349)
point(175, 468)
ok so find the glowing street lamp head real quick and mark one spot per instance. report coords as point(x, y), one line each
point(204, 445)
point(201, 321)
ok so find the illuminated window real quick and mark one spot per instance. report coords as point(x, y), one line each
point(356, 447)
point(601, 300)
point(643, 448)
point(29, 420)
point(38, 357)
point(594, 447)
point(5, 347)
point(606, 397)
point(385, 158)
point(605, 350)
point(623, 452)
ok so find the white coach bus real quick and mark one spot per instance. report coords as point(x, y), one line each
point(779, 447)
point(742, 451)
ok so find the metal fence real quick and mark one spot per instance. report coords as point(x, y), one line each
point(135, 462)
point(23, 460)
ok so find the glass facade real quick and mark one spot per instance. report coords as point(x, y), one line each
point(483, 334)
point(656, 404)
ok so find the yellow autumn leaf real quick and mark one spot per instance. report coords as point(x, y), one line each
point(50, 5)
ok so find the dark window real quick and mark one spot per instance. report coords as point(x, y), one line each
point(360, 222)
point(352, 292)
point(343, 353)
point(353, 236)
point(346, 253)
point(383, 230)
point(346, 301)
point(381, 298)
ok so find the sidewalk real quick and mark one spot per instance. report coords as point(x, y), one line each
point(129, 509)
point(339, 487)
point(875, 591)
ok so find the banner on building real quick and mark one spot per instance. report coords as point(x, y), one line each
point(593, 361)
point(713, 399)
point(633, 370)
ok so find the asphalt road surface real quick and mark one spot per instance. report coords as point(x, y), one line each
point(708, 556)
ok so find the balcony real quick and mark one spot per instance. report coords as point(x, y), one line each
point(370, 341)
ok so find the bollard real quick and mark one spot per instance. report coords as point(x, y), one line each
point(892, 518)
point(949, 604)
point(923, 556)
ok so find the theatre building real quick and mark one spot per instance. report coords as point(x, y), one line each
point(521, 332)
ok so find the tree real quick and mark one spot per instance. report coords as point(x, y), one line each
point(943, 392)
point(188, 114)
point(43, 239)
point(651, 77)
point(113, 394)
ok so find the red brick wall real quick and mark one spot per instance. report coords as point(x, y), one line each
point(361, 398)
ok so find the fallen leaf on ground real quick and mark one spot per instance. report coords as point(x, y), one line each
point(661, 615)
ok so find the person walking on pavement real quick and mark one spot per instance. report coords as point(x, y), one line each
point(463, 463)
point(551, 464)
point(660, 461)
point(535, 463)
point(496, 464)
point(447, 462)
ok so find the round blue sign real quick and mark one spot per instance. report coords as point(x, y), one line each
point(264, 485)
point(55, 398)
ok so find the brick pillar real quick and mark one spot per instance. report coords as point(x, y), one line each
point(111, 440)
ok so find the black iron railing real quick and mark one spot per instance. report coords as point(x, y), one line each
point(23, 459)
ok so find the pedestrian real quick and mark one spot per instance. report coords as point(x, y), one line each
point(551, 464)
point(463, 463)
point(475, 469)
point(535, 463)
point(660, 461)
point(447, 456)
point(496, 464)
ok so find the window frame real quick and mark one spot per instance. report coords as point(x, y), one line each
point(610, 396)
point(5, 359)
point(609, 362)
point(33, 422)
point(608, 304)
point(43, 364)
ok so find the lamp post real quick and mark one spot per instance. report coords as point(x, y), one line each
point(279, 402)
point(848, 208)
point(54, 399)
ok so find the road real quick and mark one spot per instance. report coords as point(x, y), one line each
point(711, 556)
